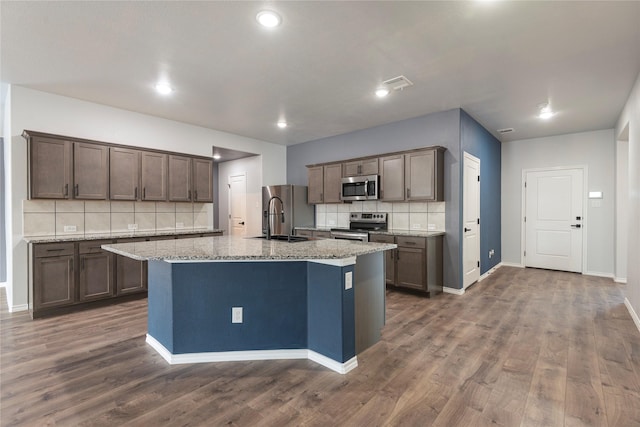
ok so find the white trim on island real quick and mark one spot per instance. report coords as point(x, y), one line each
point(236, 356)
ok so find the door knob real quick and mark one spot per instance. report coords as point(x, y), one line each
point(466, 229)
point(241, 223)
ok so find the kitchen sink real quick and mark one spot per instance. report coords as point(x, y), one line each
point(290, 239)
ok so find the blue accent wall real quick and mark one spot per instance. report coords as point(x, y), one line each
point(477, 141)
point(331, 309)
point(286, 305)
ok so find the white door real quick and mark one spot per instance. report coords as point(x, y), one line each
point(471, 220)
point(237, 204)
point(553, 219)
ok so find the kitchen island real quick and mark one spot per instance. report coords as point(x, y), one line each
point(230, 298)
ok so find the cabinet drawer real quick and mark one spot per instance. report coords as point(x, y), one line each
point(381, 238)
point(305, 233)
point(92, 246)
point(322, 234)
point(411, 242)
point(52, 249)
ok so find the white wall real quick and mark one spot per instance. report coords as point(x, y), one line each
point(251, 167)
point(622, 202)
point(631, 116)
point(44, 112)
point(596, 150)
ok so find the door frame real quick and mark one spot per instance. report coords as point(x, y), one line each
point(229, 203)
point(466, 155)
point(523, 208)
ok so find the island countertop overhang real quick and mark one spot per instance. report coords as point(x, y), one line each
point(233, 248)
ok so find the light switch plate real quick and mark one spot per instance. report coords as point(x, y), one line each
point(179, 224)
point(70, 228)
point(133, 226)
point(348, 280)
point(236, 314)
point(431, 227)
point(415, 226)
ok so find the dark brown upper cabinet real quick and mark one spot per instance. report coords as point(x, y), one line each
point(50, 163)
point(90, 171)
point(153, 176)
point(360, 167)
point(124, 173)
point(61, 169)
point(202, 180)
point(180, 177)
point(315, 189)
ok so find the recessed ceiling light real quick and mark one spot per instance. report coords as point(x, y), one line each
point(216, 156)
point(545, 111)
point(381, 92)
point(163, 88)
point(282, 124)
point(269, 19)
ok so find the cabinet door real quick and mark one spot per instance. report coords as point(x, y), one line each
point(90, 171)
point(304, 233)
point(392, 178)
point(411, 268)
point(96, 275)
point(369, 167)
point(351, 169)
point(202, 180)
point(124, 174)
point(154, 176)
point(50, 168)
point(131, 275)
point(332, 183)
point(179, 179)
point(53, 281)
point(315, 190)
point(420, 175)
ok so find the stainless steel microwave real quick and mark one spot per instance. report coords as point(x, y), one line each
point(360, 187)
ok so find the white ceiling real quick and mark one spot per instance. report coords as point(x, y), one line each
point(318, 70)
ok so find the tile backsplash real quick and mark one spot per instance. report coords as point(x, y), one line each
point(71, 217)
point(402, 215)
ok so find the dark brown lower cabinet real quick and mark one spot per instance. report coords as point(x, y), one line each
point(416, 264)
point(71, 275)
point(54, 276)
point(131, 276)
point(96, 271)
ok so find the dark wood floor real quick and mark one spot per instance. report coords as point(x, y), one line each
point(524, 347)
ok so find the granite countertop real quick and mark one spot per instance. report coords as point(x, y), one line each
point(117, 235)
point(235, 248)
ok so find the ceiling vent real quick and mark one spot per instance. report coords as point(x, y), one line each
point(397, 83)
point(505, 130)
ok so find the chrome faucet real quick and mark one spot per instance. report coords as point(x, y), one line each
point(269, 214)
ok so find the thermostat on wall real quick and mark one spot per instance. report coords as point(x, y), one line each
point(595, 194)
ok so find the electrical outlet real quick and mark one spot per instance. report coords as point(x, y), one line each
point(348, 280)
point(331, 222)
point(70, 228)
point(431, 227)
point(133, 226)
point(415, 226)
point(179, 224)
point(236, 314)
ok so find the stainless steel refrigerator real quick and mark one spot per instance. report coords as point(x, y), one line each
point(285, 207)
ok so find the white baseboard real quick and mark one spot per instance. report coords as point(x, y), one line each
point(19, 307)
point(454, 291)
point(488, 273)
point(633, 313)
point(236, 356)
point(598, 274)
point(512, 264)
point(620, 280)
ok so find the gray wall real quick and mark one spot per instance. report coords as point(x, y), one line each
point(441, 128)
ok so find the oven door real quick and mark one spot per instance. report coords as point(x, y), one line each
point(350, 235)
point(360, 187)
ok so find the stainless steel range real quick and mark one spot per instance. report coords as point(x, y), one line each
point(360, 223)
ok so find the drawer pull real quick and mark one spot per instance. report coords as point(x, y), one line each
point(409, 243)
point(55, 250)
